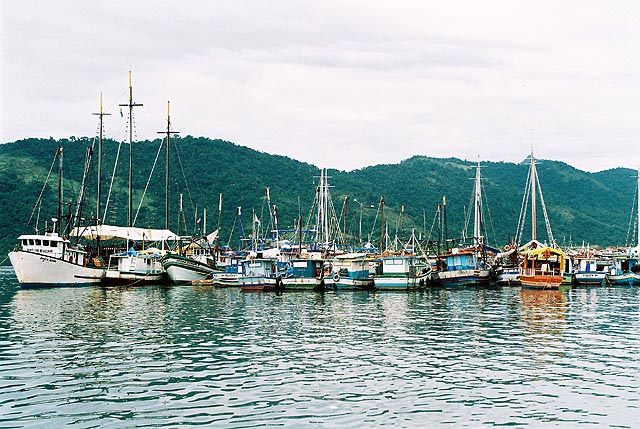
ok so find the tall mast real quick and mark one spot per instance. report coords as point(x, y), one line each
point(131, 105)
point(477, 219)
point(534, 176)
point(101, 114)
point(168, 132)
point(445, 231)
point(382, 246)
point(60, 190)
point(219, 216)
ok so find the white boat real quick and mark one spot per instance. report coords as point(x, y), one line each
point(50, 260)
point(184, 269)
point(508, 270)
point(591, 271)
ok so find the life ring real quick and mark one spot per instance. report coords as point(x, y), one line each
point(318, 271)
point(336, 277)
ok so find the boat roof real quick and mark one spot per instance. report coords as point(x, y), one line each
point(52, 237)
point(110, 232)
point(542, 250)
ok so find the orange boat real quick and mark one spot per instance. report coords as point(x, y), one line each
point(542, 268)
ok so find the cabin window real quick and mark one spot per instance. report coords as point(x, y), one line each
point(53, 244)
point(25, 242)
point(45, 242)
point(38, 243)
point(31, 242)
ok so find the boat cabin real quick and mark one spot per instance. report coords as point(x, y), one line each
point(54, 246)
point(543, 261)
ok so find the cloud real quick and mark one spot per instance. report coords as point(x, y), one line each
point(341, 84)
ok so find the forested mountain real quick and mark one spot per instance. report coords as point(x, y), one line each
point(585, 207)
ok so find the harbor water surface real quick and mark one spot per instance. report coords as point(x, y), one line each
point(181, 356)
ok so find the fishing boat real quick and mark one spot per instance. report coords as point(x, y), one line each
point(304, 274)
point(183, 269)
point(350, 271)
point(402, 272)
point(626, 269)
point(262, 274)
point(543, 265)
point(591, 271)
point(542, 268)
point(507, 267)
point(462, 266)
point(49, 258)
point(139, 262)
point(468, 265)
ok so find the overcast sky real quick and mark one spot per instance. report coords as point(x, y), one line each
point(341, 84)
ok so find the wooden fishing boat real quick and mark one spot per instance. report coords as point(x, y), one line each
point(542, 268)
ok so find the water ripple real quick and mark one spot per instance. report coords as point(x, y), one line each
point(196, 356)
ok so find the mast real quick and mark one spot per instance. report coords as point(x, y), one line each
point(219, 215)
point(382, 246)
point(101, 114)
point(168, 132)
point(477, 219)
point(130, 105)
point(60, 190)
point(445, 232)
point(534, 176)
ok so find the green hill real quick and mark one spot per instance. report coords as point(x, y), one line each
point(582, 206)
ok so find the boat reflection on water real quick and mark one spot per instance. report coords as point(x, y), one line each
point(544, 324)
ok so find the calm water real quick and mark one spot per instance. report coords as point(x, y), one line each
point(197, 356)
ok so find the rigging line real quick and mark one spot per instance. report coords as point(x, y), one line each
point(490, 219)
point(202, 195)
point(38, 201)
point(546, 216)
point(631, 217)
point(184, 177)
point(435, 219)
point(523, 209)
point(113, 175)
point(148, 181)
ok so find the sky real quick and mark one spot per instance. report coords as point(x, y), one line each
point(338, 84)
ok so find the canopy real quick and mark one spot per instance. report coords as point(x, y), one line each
point(111, 232)
point(545, 252)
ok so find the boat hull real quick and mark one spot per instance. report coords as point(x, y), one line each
point(400, 282)
point(182, 270)
point(541, 281)
point(626, 279)
point(35, 269)
point(302, 283)
point(589, 279)
point(464, 277)
point(508, 277)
